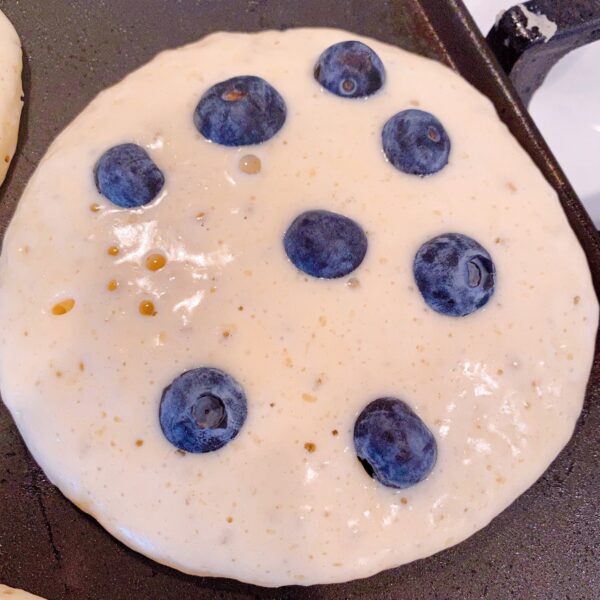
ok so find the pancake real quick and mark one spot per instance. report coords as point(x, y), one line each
point(292, 315)
point(8, 593)
point(11, 92)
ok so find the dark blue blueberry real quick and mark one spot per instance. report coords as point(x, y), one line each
point(350, 69)
point(240, 111)
point(202, 410)
point(415, 142)
point(455, 274)
point(393, 444)
point(325, 244)
point(127, 176)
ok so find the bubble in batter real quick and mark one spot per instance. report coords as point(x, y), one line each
point(63, 307)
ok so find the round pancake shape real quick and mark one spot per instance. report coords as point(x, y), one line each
point(104, 308)
point(11, 92)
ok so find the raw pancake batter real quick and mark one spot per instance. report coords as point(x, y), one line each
point(8, 593)
point(303, 360)
point(11, 92)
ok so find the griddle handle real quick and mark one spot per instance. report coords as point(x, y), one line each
point(530, 38)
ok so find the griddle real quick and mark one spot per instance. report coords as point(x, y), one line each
point(546, 545)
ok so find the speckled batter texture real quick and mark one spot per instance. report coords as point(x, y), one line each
point(287, 501)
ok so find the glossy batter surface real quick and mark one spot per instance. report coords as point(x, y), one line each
point(11, 92)
point(287, 500)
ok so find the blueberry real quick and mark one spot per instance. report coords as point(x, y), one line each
point(455, 274)
point(202, 410)
point(415, 142)
point(393, 444)
point(350, 69)
point(325, 244)
point(240, 111)
point(127, 176)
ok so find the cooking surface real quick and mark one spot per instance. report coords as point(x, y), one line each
point(564, 109)
point(540, 547)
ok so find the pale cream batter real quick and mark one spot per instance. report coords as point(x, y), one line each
point(11, 92)
point(287, 500)
point(8, 593)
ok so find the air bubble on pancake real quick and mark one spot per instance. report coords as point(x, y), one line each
point(147, 308)
point(250, 164)
point(63, 307)
point(310, 447)
point(155, 261)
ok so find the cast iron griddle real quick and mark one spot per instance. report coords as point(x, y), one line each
point(544, 546)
